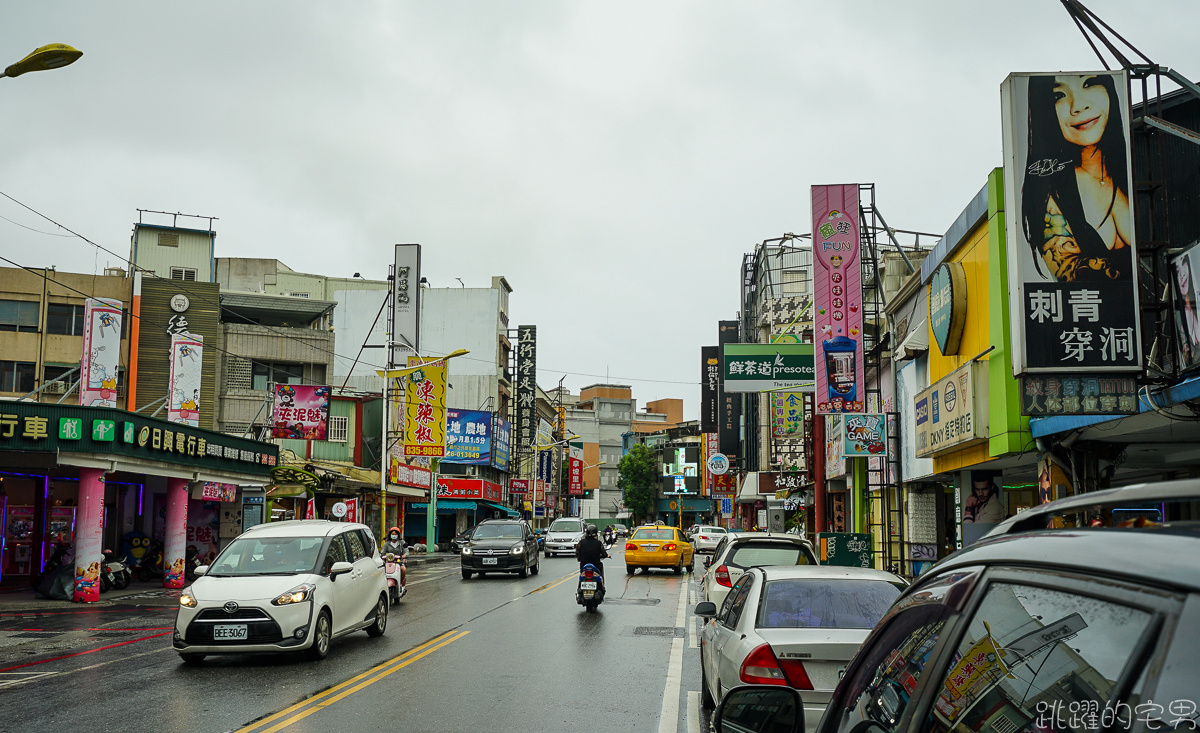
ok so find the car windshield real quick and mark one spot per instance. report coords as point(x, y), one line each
point(812, 603)
point(753, 555)
point(711, 530)
point(653, 534)
point(268, 556)
point(565, 526)
point(497, 532)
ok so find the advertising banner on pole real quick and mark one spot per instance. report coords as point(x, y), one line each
point(864, 435)
point(787, 414)
point(187, 355)
point(730, 404)
point(575, 475)
point(1072, 264)
point(526, 430)
point(710, 388)
point(101, 352)
point(837, 299)
point(518, 486)
point(301, 412)
point(501, 442)
point(351, 510)
point(766, 367)
point(425, 409)
point(468, 437)
point(406, 302)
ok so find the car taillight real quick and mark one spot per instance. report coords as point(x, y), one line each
point(629, 546)
point(670, 546)
point(797, 675)
point(701, 536)
point(760, 667)
point(721, 575)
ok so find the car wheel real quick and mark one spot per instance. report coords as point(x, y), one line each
point(678, 569)
point(524, 571)
point(322, 633)
point(692, 565)
point(467, 574)
point(706, 699)
point(192, 659)
point(381, 614)
point(537, 566)
point(630, 569)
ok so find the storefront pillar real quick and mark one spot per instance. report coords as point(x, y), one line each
point(817, 472)
point(862, 496)
point(89, 535)
point(175, 540)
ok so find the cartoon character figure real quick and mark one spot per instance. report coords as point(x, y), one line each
point(287, 396)
point(175, 573)
point(835, 261)
point(136, 545)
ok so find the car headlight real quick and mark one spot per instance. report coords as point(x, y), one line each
point(187, 600)
point(466, 550)
point(517, 549)
point(299, 594)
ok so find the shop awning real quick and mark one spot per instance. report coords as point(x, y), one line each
point(396, 490)
point(508, 511)
point(748, 492)
point(445, 505)
point(915, 343)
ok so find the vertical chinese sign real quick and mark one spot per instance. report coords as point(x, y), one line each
point(526, 429)
point(501, 442)
point(837, 301)
point(1072, 266)
point(187, 355)
point(405, 308)
point(787, 414)
point(710, 388)
point(101, 352)
point(545, 460)
point(575, 467)
point(425, 409)
point(730, 404)
point(301, 411)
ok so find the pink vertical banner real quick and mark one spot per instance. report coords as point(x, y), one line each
point(101, 352)
point(175, 539)
point(837, 301)
point(352, 510)
point(89, 535)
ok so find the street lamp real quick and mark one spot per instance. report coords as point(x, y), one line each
point(431, 507)
point(53, 56)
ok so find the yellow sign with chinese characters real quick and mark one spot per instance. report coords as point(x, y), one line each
point(425, 409)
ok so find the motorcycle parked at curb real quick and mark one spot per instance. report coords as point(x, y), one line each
point(590, 592)
point(397, 575)
point(114, 572)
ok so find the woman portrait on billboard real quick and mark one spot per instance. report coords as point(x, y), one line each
point(1188, 319)
point(1075, 202)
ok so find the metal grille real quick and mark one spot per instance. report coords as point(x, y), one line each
point(238, 372)
point(339, 428)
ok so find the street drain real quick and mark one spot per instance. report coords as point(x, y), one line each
point(674, 632)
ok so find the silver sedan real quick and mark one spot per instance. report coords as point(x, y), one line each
point(797, 626)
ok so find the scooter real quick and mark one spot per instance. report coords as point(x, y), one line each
point(396, 572)
point(591, 588)
point(114, 571)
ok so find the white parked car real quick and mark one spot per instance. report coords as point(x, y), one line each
point(563, 536)
point(284, 587)
point(737, 551)
point(797, 626)
point(706, 538)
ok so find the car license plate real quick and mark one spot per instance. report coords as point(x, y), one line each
point(589, 594)
point(489, 561)
point(650, 548)
point(586, 585)
point(231, 631)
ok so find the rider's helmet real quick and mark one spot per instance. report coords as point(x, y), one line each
point(590, 531)
point(395, 531)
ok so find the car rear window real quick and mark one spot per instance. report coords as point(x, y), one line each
point(654, 534)
point(756, 554)
point(812, 603)
point(711, 530)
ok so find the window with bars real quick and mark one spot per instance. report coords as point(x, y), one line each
point(339, 429)
point(183, 273)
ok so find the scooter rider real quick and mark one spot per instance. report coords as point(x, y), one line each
point(394, 544)
point(609, 536)
point(590, 550)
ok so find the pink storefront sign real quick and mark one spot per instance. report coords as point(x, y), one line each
point(837, 301)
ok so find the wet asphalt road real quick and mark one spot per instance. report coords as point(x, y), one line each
point(488, 654)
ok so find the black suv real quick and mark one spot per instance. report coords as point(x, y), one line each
point(500, 546)
point(1076, 615)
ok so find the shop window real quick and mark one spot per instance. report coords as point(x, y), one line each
point(65, 319)
point(19, 315)
point(338, 429)
point(17, 376)
point(266, 373)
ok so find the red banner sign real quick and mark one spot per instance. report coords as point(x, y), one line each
point(468, 488)
point(575, 484)
point(518, 486)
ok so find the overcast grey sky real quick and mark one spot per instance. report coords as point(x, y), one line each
point(614, 160)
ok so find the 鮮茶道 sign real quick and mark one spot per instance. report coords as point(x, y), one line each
point(766, 367)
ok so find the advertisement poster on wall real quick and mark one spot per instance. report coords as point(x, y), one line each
point(837, 300)
point(301, 412)
point(187, 355)
point(525, 432)
point(468, 437)
point(501, 442)
point(864, 435)
point(101, 352)
point(1072, 265)
point(425, 409)
point(1185, 271)
point(983, 505)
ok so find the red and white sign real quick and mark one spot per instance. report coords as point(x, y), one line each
point(518, 486)
point(403, 474)
point(712, 446)
point(310, 513)
point(213, 491)
point(551, 502)
point(351, 510)
point(468, 488)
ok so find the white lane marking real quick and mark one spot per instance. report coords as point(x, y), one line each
point(693, 712)
point(668, 717)
point(692, 631)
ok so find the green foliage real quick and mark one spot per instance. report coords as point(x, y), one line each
point(638, 479)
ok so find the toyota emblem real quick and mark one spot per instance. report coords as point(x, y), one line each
point(231, 606)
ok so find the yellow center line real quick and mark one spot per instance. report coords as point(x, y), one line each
point(320, 705)
point(337, 688)
point(565, 578)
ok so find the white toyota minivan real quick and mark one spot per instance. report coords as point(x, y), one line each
point(284, 587)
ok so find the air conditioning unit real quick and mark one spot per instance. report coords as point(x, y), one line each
point(56, 388)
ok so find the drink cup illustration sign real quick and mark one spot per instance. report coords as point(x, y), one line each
point(837, 284)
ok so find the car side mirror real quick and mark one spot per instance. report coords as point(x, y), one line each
point(708, 562)
point(200, 570)
point(760, 708)
point(706, 609)
point(339, 568)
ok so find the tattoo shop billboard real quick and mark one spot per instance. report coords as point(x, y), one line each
point(1071, 252)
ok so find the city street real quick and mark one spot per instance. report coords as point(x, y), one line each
point(491, 654)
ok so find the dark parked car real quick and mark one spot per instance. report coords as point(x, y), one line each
point(1032, 625)
point(501, 546)
point(460, 540)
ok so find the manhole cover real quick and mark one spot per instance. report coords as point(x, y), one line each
point(668, 631)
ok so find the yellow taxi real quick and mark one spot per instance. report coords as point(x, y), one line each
point(659, 546)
